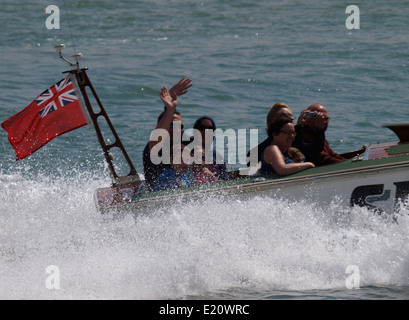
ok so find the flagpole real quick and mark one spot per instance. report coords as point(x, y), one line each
point(84, 82)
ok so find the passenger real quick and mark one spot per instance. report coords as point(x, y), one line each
point(165, 121)
point(178, 175)
point(295, 155)
point(201, 171)
point(311, 127)
point(206, 126)
point(279, 111)
point(273, 161)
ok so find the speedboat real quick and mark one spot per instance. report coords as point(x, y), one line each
point(377, 178)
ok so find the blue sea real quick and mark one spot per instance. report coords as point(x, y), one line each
point(242, 57)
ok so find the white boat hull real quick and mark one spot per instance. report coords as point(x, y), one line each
point(382, 187)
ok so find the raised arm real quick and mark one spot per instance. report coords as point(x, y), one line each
point(274, 157)
point(170, 107)
point(180, 88)
point(170, 102)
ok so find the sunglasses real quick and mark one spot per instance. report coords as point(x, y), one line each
point(203, 127)
point(287, 115)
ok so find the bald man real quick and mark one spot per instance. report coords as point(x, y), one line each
point(310, 138)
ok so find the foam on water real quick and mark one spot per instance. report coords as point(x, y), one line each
point(188, 250)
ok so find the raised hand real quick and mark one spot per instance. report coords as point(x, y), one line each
point(180, 88)
point(167, 99)
point(303, 117)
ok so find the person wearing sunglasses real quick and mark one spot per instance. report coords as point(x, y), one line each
point(171, 121)
point(206, 126)
point(279, 111)
point(311, 127)
point(273, 160)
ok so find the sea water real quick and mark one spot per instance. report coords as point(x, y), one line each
point(242, 58)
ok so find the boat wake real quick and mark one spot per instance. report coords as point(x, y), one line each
point(187, 250)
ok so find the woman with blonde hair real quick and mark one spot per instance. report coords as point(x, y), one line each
point(279, 111)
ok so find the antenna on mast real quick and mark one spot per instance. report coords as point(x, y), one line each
point(77, 56)
point(84, 83)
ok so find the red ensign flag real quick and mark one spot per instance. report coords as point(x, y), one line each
point(54, 112)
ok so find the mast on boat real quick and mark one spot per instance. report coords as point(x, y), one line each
point(83, 83)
